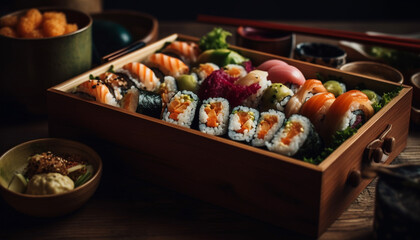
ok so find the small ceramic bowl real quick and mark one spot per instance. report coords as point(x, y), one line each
point(374, 69)
point(320, 53)
point(265, 40)
point(32, 65)
point(53, 204)
point(415, 82)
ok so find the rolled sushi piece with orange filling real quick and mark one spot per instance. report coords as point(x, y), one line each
point(350, 109)
point(181, 109)
point(297, 138)
point(242, 123)
point(213, 116)
point(268, 124)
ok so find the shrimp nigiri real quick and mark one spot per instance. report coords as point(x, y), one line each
point(189, 51)
point(145, 78)
point(99, 90)
point(170, 66)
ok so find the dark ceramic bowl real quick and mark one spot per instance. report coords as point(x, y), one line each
point(265, 40)
point(31, 65)
point(374, 69)
point(54, 204)
point(320, 53)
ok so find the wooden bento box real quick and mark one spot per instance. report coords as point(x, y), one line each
point(280, 190)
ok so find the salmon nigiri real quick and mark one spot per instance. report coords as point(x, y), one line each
point(146, 77)
point(99, 90)
point(348, 110)
point(170, 66)
point(306, 91)
point(317, 107)
point(189, 51)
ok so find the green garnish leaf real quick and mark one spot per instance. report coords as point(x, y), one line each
point(215, 39)
point(82, 179)
point(91, 77)
point(111, 69)
point(338, 138)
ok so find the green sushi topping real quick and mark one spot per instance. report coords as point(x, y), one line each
point(334, 87)
point(215, 39)
point(338, 138)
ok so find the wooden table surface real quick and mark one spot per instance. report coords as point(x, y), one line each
point(125, 207)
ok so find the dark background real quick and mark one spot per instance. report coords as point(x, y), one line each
point(325, 10)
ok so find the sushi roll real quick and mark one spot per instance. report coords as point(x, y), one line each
point(316, 108)
point(297, 138)
point(170, 66)
point(254, 77)
point(306, 91)
point(268, 124)
point(118, 84)
point(235, 70)
point(181, 109)
point(242, 123)
point(187, 51)
point(149, 103)
point(98, 90)
point(276, 97)
point(203, 70)
point(141, 75)
point(214, 116)
point(167, 89)
point(350, 109)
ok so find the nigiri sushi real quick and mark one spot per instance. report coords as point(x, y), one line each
point(188, 51)
point(348, 110)
point(317, 107)
point(170, 66)
point(98, 90)
point(254, 77)
point(281, 72)
point(143, 76)
point(306, 91)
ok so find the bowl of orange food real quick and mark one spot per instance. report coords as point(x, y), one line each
point(49, 177)
point(40, 48)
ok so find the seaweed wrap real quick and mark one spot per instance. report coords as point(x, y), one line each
point(149, 103)
point(268, 124)
point(242, 123)
point(181, 109)
point(214, 116)
point(297, 138)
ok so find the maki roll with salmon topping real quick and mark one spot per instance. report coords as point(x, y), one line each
point(242, 123)
point(306, 91)
point(181, 109)
point(316, 108)
point(350, 109)
point(297, 138)
point(170, 66)
point(214, 116)
point(98, 90)
point(268, 124)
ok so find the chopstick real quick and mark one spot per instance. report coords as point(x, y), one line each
point(388, 41)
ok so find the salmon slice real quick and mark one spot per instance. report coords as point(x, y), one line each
point(170, 66)
point(98, 90)
point(189, 50)
point(145, 75)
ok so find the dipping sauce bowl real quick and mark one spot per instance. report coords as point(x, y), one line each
point(320, 53)
point(374, 69)
point(266, 40)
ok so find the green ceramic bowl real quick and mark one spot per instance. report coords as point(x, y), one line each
point(30, 66)
point(53, 204)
